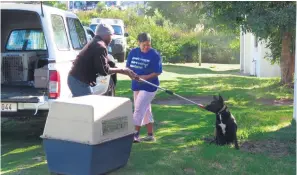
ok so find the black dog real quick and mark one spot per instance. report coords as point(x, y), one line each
point(226, 127)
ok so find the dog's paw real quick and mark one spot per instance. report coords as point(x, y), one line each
point(209, 140)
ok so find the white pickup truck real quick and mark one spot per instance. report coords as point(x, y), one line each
point(38, 46)
point(119, 42)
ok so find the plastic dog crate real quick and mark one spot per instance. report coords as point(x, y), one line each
point(88, 135)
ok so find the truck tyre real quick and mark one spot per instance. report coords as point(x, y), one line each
point(111, 88)
point(121, 57)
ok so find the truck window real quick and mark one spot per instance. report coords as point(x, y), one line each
point(60, 32)
point(26, 40)
point(77, 33)
point(117, 29)
point(93, 27)
point(90, 32)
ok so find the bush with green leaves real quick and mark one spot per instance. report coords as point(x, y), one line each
point(100, 7)
point(56, 4)
point(175, 44)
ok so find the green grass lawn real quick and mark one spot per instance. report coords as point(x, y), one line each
point(267, 134)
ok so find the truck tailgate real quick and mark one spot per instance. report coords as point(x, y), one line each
point(21, 94)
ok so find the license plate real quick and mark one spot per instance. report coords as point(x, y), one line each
point(8, 107)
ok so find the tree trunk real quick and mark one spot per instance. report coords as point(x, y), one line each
point(287, 60)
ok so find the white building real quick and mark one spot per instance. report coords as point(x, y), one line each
point(252, 62)
point(252, 58)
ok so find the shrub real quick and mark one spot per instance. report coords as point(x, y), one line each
point(174, 43)
point(100, 7)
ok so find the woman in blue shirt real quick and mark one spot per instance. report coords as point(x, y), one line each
point(146, 62)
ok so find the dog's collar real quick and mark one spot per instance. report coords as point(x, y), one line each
point(224, 107)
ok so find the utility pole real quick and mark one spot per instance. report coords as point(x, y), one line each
point(199, 29)
point(200, 53)
point(295, 88)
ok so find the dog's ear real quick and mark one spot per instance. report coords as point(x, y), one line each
point(221, 98)
point(215, 98)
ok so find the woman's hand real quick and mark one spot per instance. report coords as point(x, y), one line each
point(149, 76)
point(144, 77)
point(130, 73)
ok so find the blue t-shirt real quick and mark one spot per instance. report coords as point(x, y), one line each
point(144, 64)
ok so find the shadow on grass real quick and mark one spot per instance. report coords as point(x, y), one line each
point(31, 168)
point(25, 132)
point(190, 121)
point(180, 130)
point(21, 145)
point(287, 133)
point(186, 70)
point(179, 146)
point(278, 143)
point(238, 89)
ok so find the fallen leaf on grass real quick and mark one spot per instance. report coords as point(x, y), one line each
point(190, 171)
point(38, 158)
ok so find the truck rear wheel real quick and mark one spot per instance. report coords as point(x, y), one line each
point(120, 57)
point(111, 88)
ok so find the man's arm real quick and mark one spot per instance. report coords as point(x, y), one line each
point(102, 67)
point(100, 61)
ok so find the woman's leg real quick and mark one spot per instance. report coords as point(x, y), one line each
point(148, 117)
point(148, 121)
point(137, 128)
point(142, 110)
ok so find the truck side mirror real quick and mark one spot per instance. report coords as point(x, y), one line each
point(126, 34)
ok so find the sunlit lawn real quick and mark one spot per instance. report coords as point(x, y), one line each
point(180, 129)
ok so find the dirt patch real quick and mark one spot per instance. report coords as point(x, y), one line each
point(184, 133)
point(38, 158)
point(216, 165)
point(189, 171)
point(279, 102)
point(178, 101)
point(273, 148)
point(162, 123)
point(193, 148)
point(177, 140)
point(209, 140)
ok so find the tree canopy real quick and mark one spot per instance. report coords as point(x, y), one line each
point(272, 22)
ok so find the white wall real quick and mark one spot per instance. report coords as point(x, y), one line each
point(248, 52)
point(248, 57)
point(242, 44)
point(256, 57)
point(265, 67)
